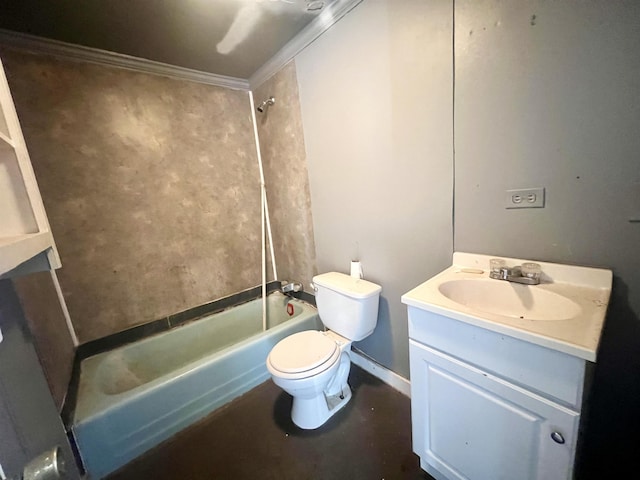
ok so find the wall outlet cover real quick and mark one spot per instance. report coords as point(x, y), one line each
point(525, 198)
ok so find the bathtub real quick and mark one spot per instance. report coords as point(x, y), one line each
point(135, 396)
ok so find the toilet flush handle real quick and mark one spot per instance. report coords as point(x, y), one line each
point(313, 287)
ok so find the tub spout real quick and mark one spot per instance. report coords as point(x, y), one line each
point(288, 287)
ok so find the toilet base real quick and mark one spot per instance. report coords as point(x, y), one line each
point(311, 413)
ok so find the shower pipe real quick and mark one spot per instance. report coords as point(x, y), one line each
point(264, 214)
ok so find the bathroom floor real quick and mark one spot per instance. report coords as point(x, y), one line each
point(254, 437)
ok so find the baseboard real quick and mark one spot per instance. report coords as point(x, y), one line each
point(383, 373)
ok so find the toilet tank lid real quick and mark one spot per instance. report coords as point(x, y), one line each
point(347, 285)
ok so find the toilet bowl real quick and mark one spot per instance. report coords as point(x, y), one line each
point(313, 366)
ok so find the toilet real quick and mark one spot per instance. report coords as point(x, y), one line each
point(313, 366)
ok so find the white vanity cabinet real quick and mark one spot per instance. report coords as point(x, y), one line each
point(498, 369)
point(486, 406)
point(24, 229)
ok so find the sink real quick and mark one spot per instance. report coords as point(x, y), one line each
point(565, 312)
point(509, 299)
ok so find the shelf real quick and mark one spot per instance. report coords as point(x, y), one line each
point(5, 139)
point(24, 228)
point(17, 249)
point(4, 129)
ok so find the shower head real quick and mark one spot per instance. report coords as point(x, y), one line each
point(267, 103)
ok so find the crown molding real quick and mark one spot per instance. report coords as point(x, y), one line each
point(325, 20)
point(96, 56)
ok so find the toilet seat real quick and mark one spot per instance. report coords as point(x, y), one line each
point(303, 355)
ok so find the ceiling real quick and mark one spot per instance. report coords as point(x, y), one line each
point(231, 38)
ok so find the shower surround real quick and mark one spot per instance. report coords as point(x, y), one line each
point(151, 186)
point(285, 164)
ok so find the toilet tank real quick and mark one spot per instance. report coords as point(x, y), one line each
point(347, 305)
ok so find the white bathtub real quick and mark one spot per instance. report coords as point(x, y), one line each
point(134, 397)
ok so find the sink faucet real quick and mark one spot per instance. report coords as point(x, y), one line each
point(528, 273)
point(291, 287)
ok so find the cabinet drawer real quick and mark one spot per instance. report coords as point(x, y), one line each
point(547, 372)
point(469, 424)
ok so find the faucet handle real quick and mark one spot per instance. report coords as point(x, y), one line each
point(495, 267)
point(531, 270)
point(288, 287)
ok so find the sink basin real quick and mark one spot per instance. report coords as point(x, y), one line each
point(565, 312)
point(509, 299)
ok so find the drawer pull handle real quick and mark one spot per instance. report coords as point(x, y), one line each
point(557, 437)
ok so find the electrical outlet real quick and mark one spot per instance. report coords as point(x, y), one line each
point(525, 198)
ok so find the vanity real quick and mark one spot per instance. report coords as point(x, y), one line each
point(500, 368)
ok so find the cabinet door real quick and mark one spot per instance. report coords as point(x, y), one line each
point(468, 424)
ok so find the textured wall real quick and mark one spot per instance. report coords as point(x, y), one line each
point(150, 184)
point(286, 177)
point(376, 98)
point(45, 317)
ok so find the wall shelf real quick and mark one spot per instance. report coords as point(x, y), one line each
point(6, 140)
point(24, 227)
point(18, 249)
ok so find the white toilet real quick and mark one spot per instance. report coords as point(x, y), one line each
point(312, 366)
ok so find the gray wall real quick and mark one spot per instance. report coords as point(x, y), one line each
point(52, 340)
point(29, 421)
point(151, 187)
point(286, 177)
point(551, 102)
point(376, 99)
point(548, 94)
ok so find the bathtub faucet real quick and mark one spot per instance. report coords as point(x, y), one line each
point(288, 287)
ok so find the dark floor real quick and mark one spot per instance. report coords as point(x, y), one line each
point(253, 437)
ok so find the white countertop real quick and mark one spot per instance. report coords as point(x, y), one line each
point(579, 336)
